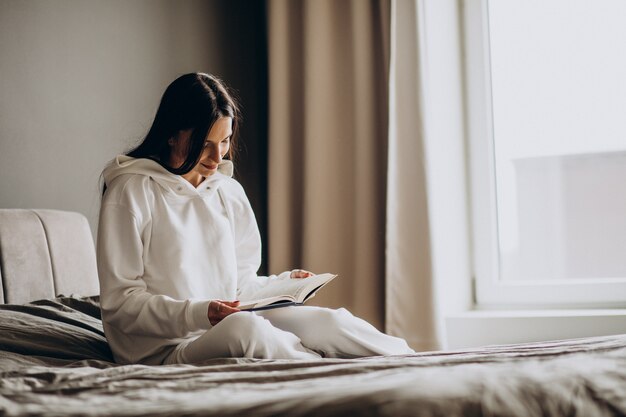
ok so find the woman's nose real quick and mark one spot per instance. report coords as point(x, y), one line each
point(214, 154)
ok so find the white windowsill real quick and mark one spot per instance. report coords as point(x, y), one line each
point(488, 327)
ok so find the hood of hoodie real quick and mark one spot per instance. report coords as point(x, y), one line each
point(123, 164)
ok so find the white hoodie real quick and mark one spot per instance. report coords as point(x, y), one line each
point(165, 250)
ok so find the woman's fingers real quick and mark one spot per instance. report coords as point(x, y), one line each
point(301, 273)
point(231, 303)
point(214, 312)
point(219, 309)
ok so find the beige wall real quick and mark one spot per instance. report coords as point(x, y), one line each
point(80, 82)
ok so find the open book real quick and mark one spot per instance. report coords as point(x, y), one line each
point(286, 292)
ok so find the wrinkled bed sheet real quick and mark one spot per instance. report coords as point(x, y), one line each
point(54, 361)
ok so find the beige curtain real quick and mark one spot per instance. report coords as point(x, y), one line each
point(410, 304)
point(328, 89)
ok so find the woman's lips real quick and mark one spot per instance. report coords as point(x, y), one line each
point(209, 167)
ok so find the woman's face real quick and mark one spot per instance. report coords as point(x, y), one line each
point(216, 145)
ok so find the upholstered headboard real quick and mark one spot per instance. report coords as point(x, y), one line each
point(44, 253)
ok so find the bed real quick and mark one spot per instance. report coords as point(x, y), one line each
point(54, 359)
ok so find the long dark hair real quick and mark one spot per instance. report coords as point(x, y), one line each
point(192, 101)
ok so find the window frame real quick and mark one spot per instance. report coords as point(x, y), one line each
point(490, 292)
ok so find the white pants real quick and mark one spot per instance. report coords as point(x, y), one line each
point(299, 332)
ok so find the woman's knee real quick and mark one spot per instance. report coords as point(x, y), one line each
point(244, 324)
point(253, 336)
point(247, 334)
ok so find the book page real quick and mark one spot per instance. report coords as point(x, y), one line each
point(286, 299)
point(295, 287)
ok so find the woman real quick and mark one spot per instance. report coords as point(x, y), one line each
point(178, 245)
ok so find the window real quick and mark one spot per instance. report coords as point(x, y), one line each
point(546, 102)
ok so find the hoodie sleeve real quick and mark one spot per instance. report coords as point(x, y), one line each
point(126, 304)
point(248, 250)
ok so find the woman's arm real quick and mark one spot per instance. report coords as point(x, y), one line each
point(248, 248)
point(247, 245)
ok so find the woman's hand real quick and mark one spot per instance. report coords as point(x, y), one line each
point(301, 273)
point(219, 309)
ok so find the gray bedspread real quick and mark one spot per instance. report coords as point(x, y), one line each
point(54, 361)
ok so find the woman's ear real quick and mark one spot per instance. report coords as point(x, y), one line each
point(170, 141)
